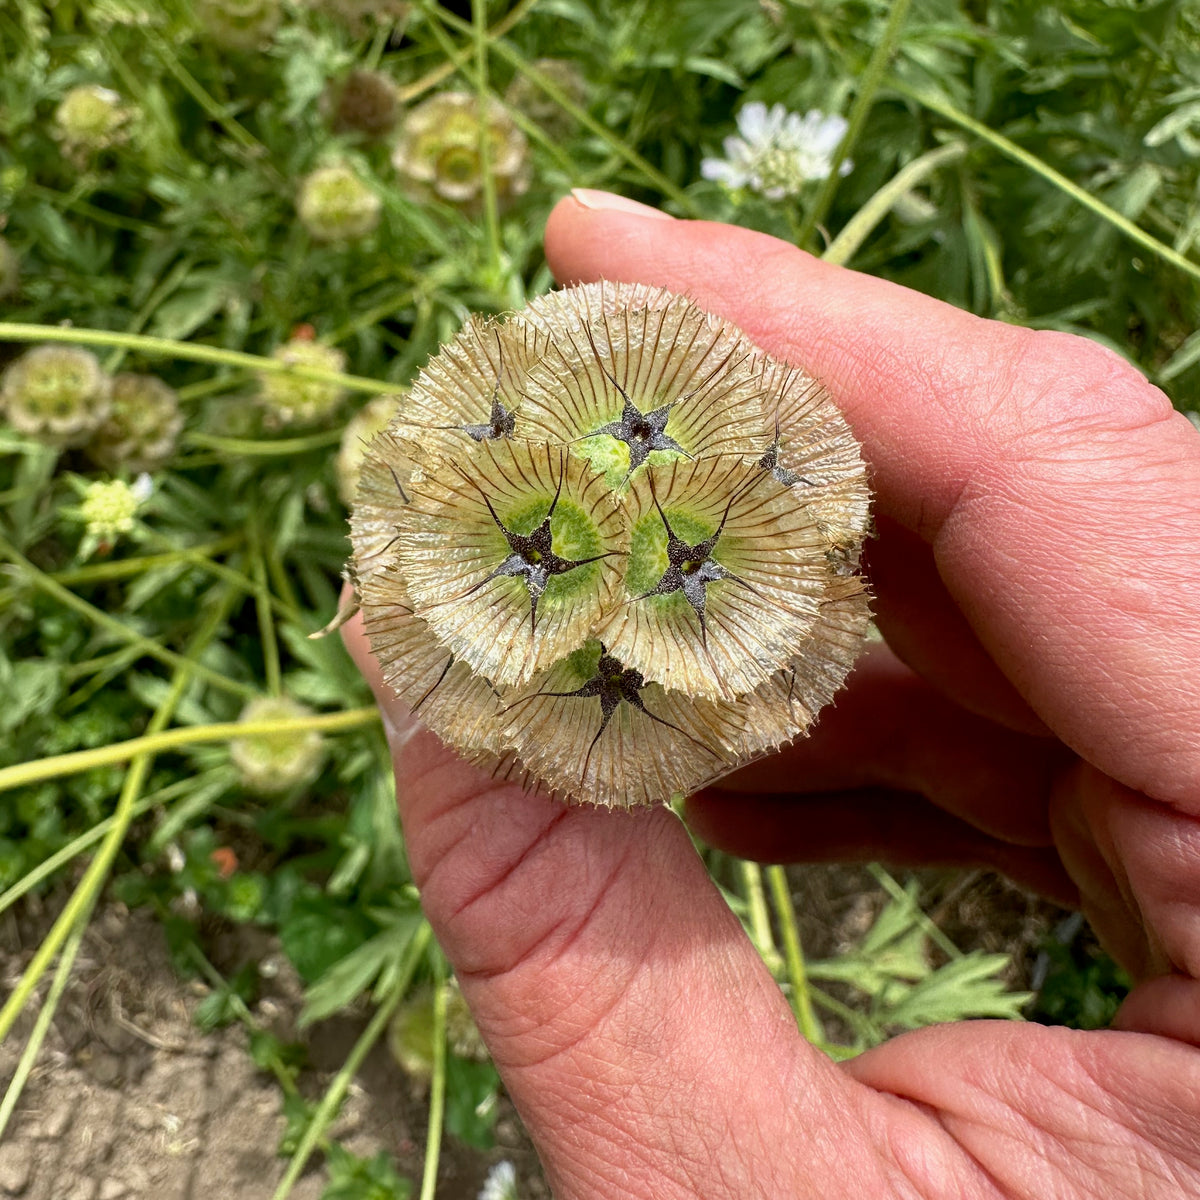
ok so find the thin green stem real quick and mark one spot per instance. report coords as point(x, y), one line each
point(262, 606)
point(149, 647)
point(785, 912)
point(33, 1047)
point(83, 898)
point(336, 1092)
point(1011, 150)
point(868, 88)
point(122, 568)
point(860, 226)
point(99, 215)
point(491, 212)
point(58, 765)
point(928, 926)
point(16, 331)
point(437, 1084)
point(760, 918)
point(265, 448)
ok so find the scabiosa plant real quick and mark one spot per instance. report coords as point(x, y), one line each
point(438, 148)
point(335, 205)
point(538, 106)
point(238, 24)
point(610, 546)
point(108, 509)
point(60, 394)
point(371, 419)
point(142, 426)
point(90, 118)
point(778, 151)
point(290, 399)
point(364, 102)
point(270, 763)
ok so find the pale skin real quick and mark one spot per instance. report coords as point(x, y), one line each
point(1036, 709)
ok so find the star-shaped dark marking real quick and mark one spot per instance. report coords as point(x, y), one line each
point(770, 462)
point(641, 432)
point(531, 556)
point(691, 567)
point(499, 425)
point(612, 683)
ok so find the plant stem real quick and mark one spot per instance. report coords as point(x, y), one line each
point(58, 765)
point(483, 98)
point(1011, 150)
point(336, 1092)
point(760, 918)
point(437, 1084)
point(16, 331)
point(262, 607)
point(860, 226)
point(872, 78)
point(785, 911)
point(148, 646)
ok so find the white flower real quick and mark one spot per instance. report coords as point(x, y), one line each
point(501, 1183)
point(778, 151)
point(108, 508)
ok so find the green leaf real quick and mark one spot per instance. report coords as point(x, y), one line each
point(354, 1178)
point(966, 987)
point(471, 1090)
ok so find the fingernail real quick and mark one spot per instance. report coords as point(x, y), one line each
point(598, 201)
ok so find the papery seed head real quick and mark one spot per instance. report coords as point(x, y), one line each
point(610, 547)
point(59, 394)
point(438, 148)
point(238, 24)
point(371, 419)
point(290, 399)
point(334, 204)
point(142, 426)
point(270, 763)
point(90, 117)
point(364, 102)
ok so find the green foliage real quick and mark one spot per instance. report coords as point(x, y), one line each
point(353, 1178)
point(1080, 985)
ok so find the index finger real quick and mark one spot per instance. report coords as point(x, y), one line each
point(1057, 488)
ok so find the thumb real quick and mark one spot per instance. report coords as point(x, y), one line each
point(625, 1009)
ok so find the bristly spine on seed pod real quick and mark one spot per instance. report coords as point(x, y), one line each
point(609, 546)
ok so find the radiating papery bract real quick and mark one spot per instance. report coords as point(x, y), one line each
point(609, 546)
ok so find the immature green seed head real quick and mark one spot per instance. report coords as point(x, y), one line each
point(271, 763)
point(291, 399)
point(609, 546)
point(90, 118)
point(108, 507)
point(439, 148)
point(142, 426)
point(335, 205)
point(59, 394)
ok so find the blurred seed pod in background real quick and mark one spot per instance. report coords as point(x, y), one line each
point(438, 149)
point(362, 17)
point(538, 105)
point(609, 546)
point(292, 400)
point(142, 426)
point(90, 118)
point(364, 102)
point(59, 394)
point(270, 763)
point(238, 24)
point(335, 205)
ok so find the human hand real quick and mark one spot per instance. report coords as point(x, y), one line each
point(1037, 580)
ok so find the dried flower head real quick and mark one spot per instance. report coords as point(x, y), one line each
point(10, 270)
point(291, 399)
point(610, 546)
point(334, 205)
point(372, 418)
point(364, 102)
point(360, 17)
point(60, 394)
point(778, 151)
point(238, 24)
point(90, 118)
point(539, 106)
point(270, 763)
point(439, 146)
point(142, 425)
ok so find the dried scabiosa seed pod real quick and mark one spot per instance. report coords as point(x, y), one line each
point(335, 205)
point(609, 546)
point(289, 399)
point(142, 426)
point(270, 763)
point(59, 394)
